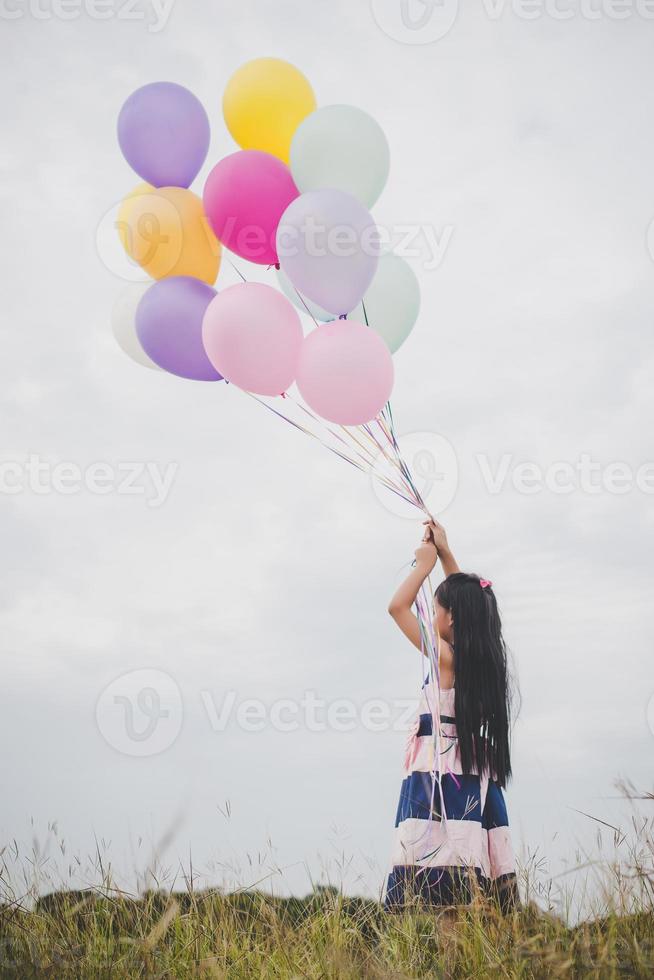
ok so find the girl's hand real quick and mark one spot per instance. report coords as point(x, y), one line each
point(438, 535)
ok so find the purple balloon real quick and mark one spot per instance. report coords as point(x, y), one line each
point(169, 326)
point(163, 131)
point(328, 246)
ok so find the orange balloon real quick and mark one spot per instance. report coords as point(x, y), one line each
point(165, 230)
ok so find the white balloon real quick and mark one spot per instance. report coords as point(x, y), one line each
point(342, 147)
point(392, 302)
point(123, 317)
point(302, 303)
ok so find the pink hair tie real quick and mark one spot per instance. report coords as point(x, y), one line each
point(485, 583)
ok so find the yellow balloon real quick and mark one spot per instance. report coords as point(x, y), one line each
point(165, 230)
point(264, 103)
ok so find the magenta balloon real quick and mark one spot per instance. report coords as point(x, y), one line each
point(169, 326)
point(345, 372)
point(244, 197)
point(253, 335)
point(328, 246)
point(163, 131)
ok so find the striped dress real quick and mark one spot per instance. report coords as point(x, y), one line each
point(439, 862)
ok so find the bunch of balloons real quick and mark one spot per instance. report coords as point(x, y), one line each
point(294, 198)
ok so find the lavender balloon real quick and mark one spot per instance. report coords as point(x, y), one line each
point(328, 246)
point(169, 326)
point(163, 131)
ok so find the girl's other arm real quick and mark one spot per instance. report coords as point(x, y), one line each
point(400, 605)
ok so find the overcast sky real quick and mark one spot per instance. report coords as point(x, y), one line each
point(524, 147)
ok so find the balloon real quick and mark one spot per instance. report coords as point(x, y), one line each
point(345, 372)
point(244, 197)
point(128, 201)
point(328, 246)
point(341, 146)
point(253, 336)
point(264, 102)
point(392, 302)
point(301, 302)
point(169, 326)
point(167, 233)
point(123, 323)
point(163, 131)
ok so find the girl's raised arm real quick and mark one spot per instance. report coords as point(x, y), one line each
point(400, 605)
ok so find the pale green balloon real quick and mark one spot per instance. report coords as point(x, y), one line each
point(392, 302)
point(342, 147)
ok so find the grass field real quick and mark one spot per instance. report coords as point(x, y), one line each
point(168, 932)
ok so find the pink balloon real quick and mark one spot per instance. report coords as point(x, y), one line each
point(255, 334)
point(244, 198)
point(345, 372)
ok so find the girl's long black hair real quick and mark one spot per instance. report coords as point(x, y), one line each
point(483, 689)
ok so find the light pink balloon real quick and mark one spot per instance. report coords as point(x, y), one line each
point(345, 372)
point(244, 197)
point(255, 334)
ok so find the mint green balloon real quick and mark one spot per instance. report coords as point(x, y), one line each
point(342, 147)
point(392, 302)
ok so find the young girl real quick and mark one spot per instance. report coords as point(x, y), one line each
point(441, 862)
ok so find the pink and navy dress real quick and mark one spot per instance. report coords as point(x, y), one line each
point(435, 860)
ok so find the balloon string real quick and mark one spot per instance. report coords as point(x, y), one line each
point(304, 304)
point(394, 462)
point(364, 467)
point(370, 458)
point(237, 270)
point(321, 423)
point(390, 434)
